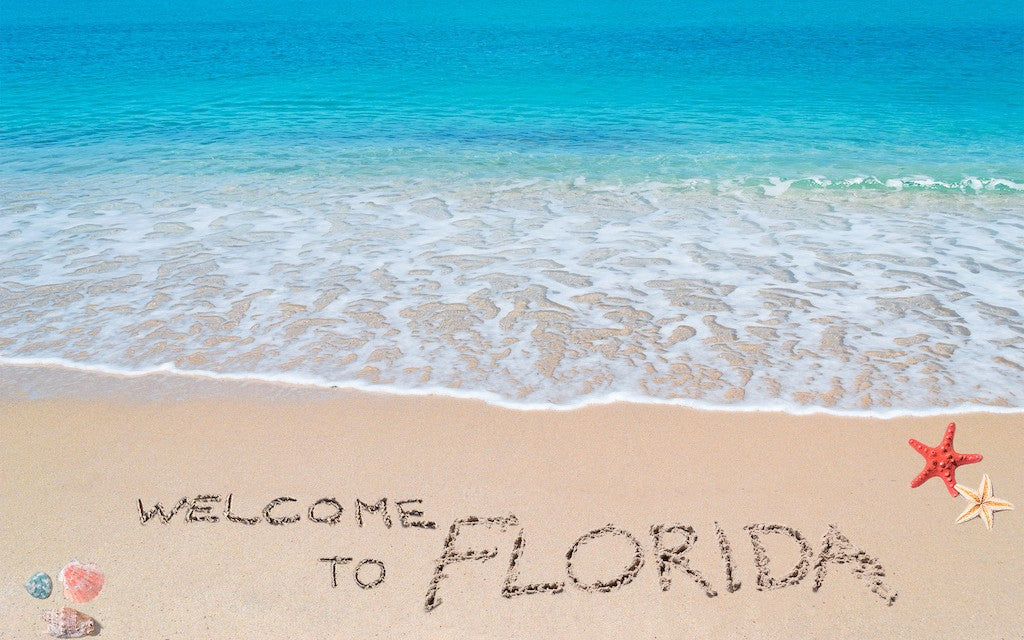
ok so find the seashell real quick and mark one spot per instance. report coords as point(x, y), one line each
point(68, 623)
point(39, 586)
point(82, 582)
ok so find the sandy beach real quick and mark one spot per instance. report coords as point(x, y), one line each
point(686, 494)
point(530, 320)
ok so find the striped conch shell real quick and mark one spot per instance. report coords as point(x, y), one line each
point(68, 623)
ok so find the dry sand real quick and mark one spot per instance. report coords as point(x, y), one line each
point(78, 451)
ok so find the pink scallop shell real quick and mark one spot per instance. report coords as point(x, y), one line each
point(82, 582)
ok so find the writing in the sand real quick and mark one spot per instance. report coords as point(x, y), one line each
point(285, 510)
point(671, 542)
point(667, 548)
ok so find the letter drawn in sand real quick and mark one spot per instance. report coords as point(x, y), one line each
point(335, 561)
point(282, 520)
point(837, 549)
point(511, 589)
point(376, 581)
point(668, 556)
point(331, 519)
point(381, 505)
point(450, 556)
point(765, 581)
point(204, 510)
point(405, 516)
point(624, 578)
point(146, 516)
point(239, 519)
point(726, 549)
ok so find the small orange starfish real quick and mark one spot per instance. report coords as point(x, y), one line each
point(942, 461)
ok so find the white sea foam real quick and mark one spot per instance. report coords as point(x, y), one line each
point(493, 398)
point(536, 293)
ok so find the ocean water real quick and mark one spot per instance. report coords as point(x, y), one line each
point(803, 206)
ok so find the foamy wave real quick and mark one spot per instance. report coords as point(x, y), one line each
point(533, 292)
point(775, 186)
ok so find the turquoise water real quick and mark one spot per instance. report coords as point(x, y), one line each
point(676, 90)
point(808, 204)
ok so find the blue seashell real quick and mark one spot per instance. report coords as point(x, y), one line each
point(39, 586)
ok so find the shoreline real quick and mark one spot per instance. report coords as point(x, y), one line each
point(534, 294)
point(25, 370)
point(77, 459)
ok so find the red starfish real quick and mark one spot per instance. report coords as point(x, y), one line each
point(942, 461)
